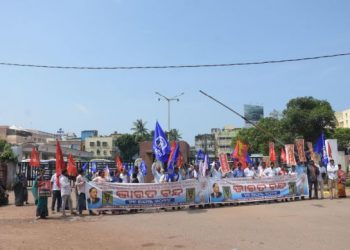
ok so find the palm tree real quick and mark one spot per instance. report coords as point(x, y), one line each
point(174, 135)
point(140, 130)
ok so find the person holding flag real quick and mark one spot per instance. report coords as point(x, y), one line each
point(160, 145)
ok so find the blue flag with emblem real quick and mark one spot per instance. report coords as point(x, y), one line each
point(200, 156)
point(160, 145)
point(84, 166)
point(320, 148)
point(143, 168)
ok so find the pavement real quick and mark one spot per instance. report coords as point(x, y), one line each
point(304, 224)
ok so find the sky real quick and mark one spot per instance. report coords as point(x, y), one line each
point(166, 32)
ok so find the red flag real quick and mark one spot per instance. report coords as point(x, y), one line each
point(180, 160)
point(72, 168)
point(34, 158)
point(283, 156)
point(240, 153)
point(119, 163)
point(59, 162)
point(272, 153)
point(330, 156)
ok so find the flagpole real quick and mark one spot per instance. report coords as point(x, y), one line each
point(244, 118)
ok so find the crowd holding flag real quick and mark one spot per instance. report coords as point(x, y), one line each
point(240, 153)
point(160, 145)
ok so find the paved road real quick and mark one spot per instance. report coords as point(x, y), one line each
point(309, 224)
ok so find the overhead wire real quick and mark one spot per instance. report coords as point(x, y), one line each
point(174, 66)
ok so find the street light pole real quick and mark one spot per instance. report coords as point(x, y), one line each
point(169, 99)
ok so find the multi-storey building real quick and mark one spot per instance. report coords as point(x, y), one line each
point(101, 146)
point(206, 143)
point(343, 118)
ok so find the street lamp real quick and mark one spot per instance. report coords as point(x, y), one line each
point(168, 99)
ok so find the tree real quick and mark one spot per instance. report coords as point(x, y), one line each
point(128, 146)
point(307, 117)
point(6, 153)
point(140, 131)
point(258, 140)
point(343, 137)
point(174, 135)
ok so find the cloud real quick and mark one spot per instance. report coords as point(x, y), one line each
point(81, 108)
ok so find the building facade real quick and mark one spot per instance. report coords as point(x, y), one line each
point(219, 141)
point(88, 133)
point(343, 118)
point(101, 146)
point(17, 136)
point(223, 139)
point(253, 113)
point(206, 143)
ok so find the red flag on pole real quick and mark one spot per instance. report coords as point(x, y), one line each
point(330, 155)
point(272, 153)
point(119, 163)
point(72, 168)
point(59, 162)
point(34, 158)
point(283, 156)
point(180, 160)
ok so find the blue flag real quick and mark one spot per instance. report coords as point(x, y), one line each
point(200, 156)
point(143, 168)
point(320, 148)
point(84, 166)
point(160, 145)
point(93, 167)
point(130, 170)
point(248, 159)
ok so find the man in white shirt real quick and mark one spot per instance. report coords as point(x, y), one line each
point(332, 171)
point(56, 194)
point(249, 171)
point(156, 172)
point(65, 192)
point(215, 171)
point(268, 172)
point(80, 184)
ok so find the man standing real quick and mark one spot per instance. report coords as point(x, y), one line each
point(80, 184)
point(238, 172)
point(312, 173)
point(321, 178)
point(65, 192)
point(56, 193)
point(332, 171)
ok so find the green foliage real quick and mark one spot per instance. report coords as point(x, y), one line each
point(141, 133)
point(304, 117)
point(174, 135)
point(343, 137)
point(6, 153)
point(128, 146)
point(307, 117)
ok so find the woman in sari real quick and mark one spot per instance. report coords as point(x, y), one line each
point(341, 182)
point(41, 201)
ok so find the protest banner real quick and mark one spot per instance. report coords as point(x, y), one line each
point(148, 195)
point(225, 168)
point(248, 190)
point(193, 192)
point(290, 154)
point(44, 188)
point(300, 149)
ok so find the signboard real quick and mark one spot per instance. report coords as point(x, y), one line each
point(225, 167)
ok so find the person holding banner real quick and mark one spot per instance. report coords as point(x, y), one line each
point(156, 171)
point(41, 210)
point(215, 171)
point(249, 171)
point(238, 172)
